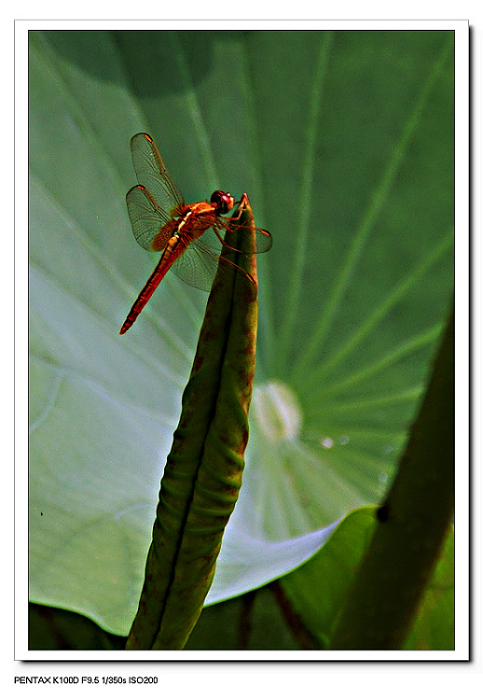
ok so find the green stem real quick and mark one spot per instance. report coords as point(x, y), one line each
point(413, 523)
point(202, 477)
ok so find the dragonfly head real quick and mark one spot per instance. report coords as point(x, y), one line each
point(223, 201)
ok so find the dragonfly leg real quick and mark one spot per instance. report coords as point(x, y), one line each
point(223, 242)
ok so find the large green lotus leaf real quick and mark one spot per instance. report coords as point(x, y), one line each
point(344, 142)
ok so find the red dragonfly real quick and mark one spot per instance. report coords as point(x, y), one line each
point(162, 221)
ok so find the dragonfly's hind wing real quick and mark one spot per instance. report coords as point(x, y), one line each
point(197, 265)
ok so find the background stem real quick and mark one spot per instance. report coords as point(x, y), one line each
point(412, 526)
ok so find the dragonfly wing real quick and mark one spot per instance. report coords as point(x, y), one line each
point(147, 219)
point(263, 240)
point(197, 265)
point(152, 174)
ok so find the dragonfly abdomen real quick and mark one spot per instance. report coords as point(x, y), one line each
point(172, 251)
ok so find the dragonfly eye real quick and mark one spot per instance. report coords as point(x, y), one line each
point(223, 201)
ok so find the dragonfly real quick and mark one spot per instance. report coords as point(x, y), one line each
point(163, 222)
